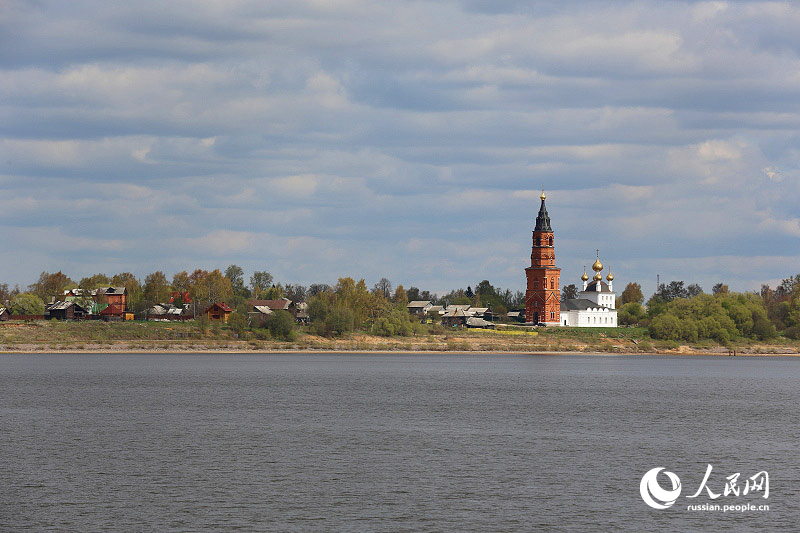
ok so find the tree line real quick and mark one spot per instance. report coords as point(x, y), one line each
point(677, 311)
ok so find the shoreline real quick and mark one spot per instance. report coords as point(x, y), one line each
point(280, 351)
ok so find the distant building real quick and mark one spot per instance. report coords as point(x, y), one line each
point(64, 311)
point(218, 311)
point(5, 314)
point(419, 307)
point(594, 306)
point(454, 317)
point(542, 301)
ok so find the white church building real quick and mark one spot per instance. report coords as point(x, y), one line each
point(595, 305)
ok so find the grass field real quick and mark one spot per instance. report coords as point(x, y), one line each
point(191, 336)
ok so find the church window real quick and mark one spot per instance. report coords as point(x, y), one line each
point(536, 284)
point(552, 284)
point(551, 240)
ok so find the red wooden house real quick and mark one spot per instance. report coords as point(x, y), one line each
point(218, 311)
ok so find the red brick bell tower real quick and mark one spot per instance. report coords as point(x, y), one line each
point(542, 299)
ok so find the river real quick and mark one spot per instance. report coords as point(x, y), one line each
point(392, 442)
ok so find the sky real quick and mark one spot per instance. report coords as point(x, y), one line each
point(318, 139)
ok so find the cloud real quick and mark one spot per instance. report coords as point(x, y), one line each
point(403, 139)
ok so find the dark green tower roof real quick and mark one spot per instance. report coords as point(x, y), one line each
point(543, 219)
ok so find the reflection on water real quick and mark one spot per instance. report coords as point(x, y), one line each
point(386, 442)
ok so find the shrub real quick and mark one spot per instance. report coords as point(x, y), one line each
point(27, 304)
point(793, 332)
point(281, 325)
point(237, 322)
point(764, 329)
point(338, 321)
point(396, 322)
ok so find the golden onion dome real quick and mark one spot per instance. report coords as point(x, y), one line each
point(598, 277)
point(610, 276)
point(543, 195)
point(585, 276)
point(597, 266)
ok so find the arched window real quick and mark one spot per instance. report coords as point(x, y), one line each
point(551, 240)
point(536, 284)
point(552, 284)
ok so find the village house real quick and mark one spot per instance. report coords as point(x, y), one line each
point(166, 311)
point(218, 311)
point(103, 298)
point(454, 317)
point(5, 314)
point(419, 307)
point(64, 311)
point(259, 314)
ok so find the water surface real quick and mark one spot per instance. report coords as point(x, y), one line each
point(386, 442)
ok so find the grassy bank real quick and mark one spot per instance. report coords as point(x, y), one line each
point(55, 336)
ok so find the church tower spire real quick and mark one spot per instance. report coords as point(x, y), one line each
point(542, 297)
point(543, 219)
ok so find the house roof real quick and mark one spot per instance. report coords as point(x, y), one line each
point(3, 310)
point(221, 305)
point(454, 312)
point(435, 308)
point(59, 306)
point(592, 287)
point(479, 310)
point(113, 309)
point(114, 290)
point(419, 303)
point(513, 314)
point(275, 305)
point(183, 295)
point(477, 322)
point(263, 309)
point(463, 307)
point(578, 304)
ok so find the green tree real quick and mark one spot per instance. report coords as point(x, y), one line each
point(632, 293)
point(27, 304)
point(50, 286)
point(339, 321)
point(400, 297)
point(237, 322)
point(5, 295)
point(181, 282)
point(260, 281)
point(156, 288)
point(212, 287)
point(94, 282)
point(281, 325)
point(296, 293)
point(383, 288)
point(719, 288)
point(484, 288)
point(569, 292)
point(693, 290)
point(413, 294)
point(396, 322)
point(275, 292)
point(631, 313)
